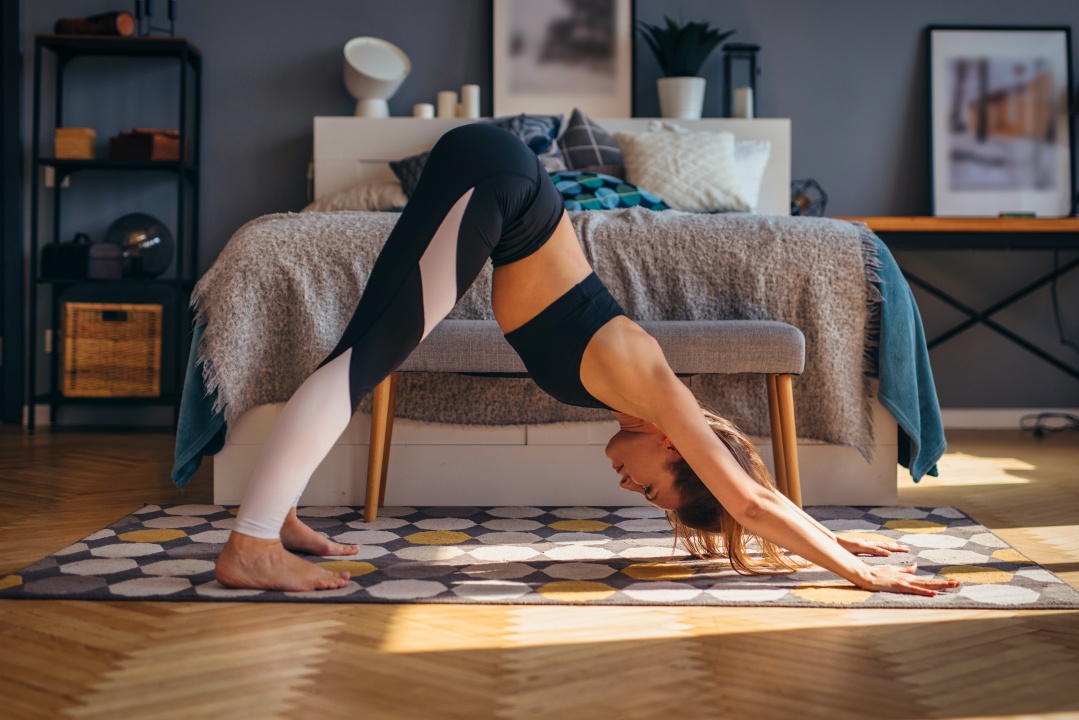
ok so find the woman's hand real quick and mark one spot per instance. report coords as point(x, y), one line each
point(890, 578)
point(866, 546)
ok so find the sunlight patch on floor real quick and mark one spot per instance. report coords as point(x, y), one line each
point(957, 468)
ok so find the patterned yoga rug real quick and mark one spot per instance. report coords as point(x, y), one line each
point(533, 555)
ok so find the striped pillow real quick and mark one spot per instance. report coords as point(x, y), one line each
point(586, 146)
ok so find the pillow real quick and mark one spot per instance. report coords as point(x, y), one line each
point(692, 171)
point(596, 191)
point(408, 171)
point(538, 132)
point(384, 195)
point(751, 157)
point(586, 146)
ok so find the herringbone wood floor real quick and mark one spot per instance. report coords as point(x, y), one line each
point(192, 660)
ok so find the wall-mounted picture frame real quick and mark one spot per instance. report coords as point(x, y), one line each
point(549, 56)
point(1000, 131)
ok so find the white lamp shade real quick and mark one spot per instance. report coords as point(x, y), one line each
point(374, 69)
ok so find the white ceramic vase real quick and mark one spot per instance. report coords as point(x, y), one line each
point(681, 97)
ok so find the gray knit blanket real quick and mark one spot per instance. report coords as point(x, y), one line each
point(279, 295)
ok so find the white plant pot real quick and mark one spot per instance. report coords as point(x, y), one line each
point(681, 97)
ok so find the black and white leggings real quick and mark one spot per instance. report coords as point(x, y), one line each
point(482, 194)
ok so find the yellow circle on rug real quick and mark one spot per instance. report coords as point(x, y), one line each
point(1013, 556)
point(10, 581)
point(437, 537)
point(151, 536)
point(658, 571)
point(233, 511)
point(832, 594)
point(354, 567)
point(915, 526)
point(579, 525)
point(575, 591)
point(976, 574)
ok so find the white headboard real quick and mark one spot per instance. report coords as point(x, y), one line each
point(349, 150)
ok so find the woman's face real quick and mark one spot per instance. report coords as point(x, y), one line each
point(643, 460)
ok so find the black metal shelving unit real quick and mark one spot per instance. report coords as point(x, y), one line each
point(67, 48)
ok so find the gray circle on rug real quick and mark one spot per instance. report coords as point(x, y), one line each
point(414, 570)
point(43, 564)
point(127, 521)
point(65, 585)
point(316, 523)
point(835, 512)
point(193, 550)
point(451, 512)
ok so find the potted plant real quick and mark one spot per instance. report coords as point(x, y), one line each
point(681, 51)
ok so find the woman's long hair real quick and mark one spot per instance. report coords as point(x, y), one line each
point(706, 528)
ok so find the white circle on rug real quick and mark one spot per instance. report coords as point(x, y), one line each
point(147, 509)
point(661, 591)
point(650, 551)
point(579, 513)
point(194, 509)
point(145, 587)
point(225, 524)
point(429, 552)
point(381, 523)
point(1038, 575)
point(515, 511)
point(747, 594)
point(366, 552)
point(126, 550)
point(99, 566)
point(177, 568)
point(954, 557)
point(490, 589)
point(396, 511)
point(989, 540)
point(171, 522)
point(578, 552)
point(510, 525)
point(335, 592)
point(1000, 594)
point(579, 538)
point(101, 535)
point(210, 536)
point(503, 552)
point(497, 570)
point(644, 525)
point(216, 589)
point(578, 571)
point(842, 525)
point(508, 538)
point(367, 537)
point(406, 589)
point(72, 549)
point(932, 540)
point(644, 511)
point(899, 513)
point(949, 512)
point(322, 511)
point(444, 524)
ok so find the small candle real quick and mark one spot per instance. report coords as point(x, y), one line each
point(470, 101)
point(447, 104)
point(743, 102)
point(423, 110)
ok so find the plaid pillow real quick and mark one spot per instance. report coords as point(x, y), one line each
point(538, 132)
point(596, 191)
point(408, 171)
point(586, 146)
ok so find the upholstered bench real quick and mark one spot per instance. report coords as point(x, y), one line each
point(720, 347)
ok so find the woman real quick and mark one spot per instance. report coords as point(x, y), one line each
point(483, 194)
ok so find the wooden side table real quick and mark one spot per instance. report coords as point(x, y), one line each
point(952, 233)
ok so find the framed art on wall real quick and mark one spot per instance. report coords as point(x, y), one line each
point(550, 56)
point(1000, 135)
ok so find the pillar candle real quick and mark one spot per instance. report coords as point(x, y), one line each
point(470, 101)
point(743, 102)
point(423, 110)
point(447, 104)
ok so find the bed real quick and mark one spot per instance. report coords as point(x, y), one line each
point(520, 462)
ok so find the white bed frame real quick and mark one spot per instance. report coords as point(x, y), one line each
point(564, 464)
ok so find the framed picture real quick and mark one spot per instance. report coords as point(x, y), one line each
point(550, 56)
point(1000, 131)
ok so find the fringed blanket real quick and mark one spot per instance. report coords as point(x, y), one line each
point(281, 292)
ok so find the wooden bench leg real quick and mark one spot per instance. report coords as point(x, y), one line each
point(381, 404)
point(785, 396)
point(389, 434)
point(778, 459)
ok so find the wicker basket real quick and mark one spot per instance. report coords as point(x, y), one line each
point(112, 350)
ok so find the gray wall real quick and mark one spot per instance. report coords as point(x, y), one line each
point(849, 73)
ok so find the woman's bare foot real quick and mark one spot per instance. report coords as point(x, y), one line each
point(298, 537)
point(250, 562)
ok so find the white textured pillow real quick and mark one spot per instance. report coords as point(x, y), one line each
point(751, 157)
point(692, 171)
point(381, 195)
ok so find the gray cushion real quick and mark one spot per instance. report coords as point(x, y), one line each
point(707, 347)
